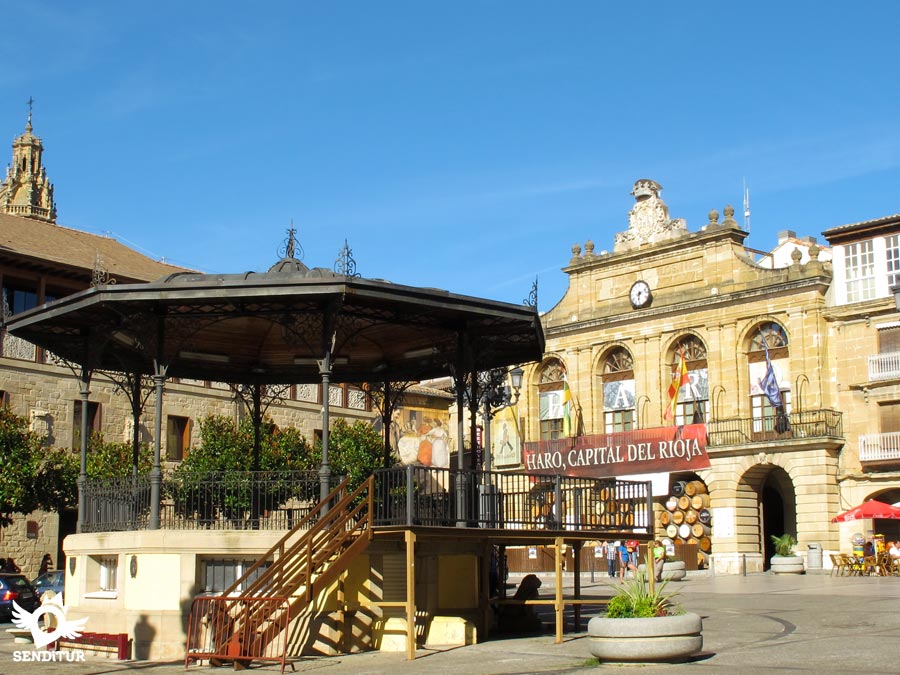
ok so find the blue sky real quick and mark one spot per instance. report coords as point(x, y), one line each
point(460, 145)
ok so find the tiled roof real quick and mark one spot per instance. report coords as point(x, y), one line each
point(864, 224)
point(72, 248)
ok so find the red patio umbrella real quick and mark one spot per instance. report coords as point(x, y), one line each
point(871, 509)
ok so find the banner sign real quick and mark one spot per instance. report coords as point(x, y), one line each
point(681, 448)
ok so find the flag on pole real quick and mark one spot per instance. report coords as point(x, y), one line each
point(567, 405)
point(769, 383)
point(679, 379)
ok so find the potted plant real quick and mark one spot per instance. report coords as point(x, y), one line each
point(785, 561)
point(643, 624)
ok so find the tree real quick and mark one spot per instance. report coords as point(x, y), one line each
point(32, 476)
point(354, 450)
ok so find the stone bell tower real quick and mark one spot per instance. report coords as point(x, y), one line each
point(26, 191)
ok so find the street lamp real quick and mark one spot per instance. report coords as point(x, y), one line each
point(496, 394)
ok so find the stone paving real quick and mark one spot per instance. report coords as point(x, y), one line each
point(755, 624)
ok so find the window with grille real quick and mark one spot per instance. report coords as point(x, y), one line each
point(109, 573)
point(218, 574)
point(859, 266)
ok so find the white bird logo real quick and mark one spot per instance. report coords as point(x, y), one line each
point(26, 620)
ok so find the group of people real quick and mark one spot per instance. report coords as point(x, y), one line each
point(622, 557)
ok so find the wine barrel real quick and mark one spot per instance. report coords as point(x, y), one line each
point(678, 517)
point(672, 503)
point(678, 488)
point(667, 541)
point(665, 518)
point(705, 544)
point(704, 516)
point(693, 541)
point(699, 529)
point(694, 487)
point(628, 519)
point(684, 531)
point(606, 519)
point(624, 507)
point(607, 494)
point(672, 531)
point(684, 502)
point(700, 501)
point(691, 517)
point(611, 506)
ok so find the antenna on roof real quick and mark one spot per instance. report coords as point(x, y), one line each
point(746, 206)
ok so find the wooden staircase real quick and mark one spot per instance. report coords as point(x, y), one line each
point(249, 621)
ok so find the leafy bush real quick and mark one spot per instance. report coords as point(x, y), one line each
point(107, 459)
point(784, 544)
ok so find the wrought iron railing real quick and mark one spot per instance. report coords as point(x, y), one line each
point(441, 497)
point(264, 500)
point(880, 447)
point(404, 496)
point(794, 425)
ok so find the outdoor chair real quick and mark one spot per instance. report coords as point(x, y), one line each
point(839, 564)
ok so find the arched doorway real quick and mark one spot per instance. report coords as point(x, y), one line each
point(766, 497)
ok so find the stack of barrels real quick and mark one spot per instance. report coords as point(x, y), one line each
point(610, 511)
point(687, 516)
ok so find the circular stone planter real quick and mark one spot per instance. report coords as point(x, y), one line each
point(661, 638)
point(786, 564)
point(673, 571)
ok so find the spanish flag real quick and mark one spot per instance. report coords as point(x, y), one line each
point(679, 379)
point(568, 429)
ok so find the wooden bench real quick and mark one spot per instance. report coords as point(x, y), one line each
point(100, 642)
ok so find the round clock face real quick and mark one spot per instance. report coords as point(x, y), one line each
point(639, 294)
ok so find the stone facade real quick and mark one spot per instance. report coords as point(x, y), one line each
point(711, 304)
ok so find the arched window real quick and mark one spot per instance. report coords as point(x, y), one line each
point(691, 404)
point(770, 393)
point(618, 391)
point(550, 393)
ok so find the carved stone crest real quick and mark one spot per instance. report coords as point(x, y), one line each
point(648, 220)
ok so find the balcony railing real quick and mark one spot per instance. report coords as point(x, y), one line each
point(884, 367)
point(796, 425)
point(404, 496)
point(880, 447)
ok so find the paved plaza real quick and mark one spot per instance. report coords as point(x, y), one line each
point(754, 624)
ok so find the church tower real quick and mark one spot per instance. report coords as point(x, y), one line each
point(26, 191)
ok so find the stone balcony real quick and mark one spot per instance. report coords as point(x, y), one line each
point(880, 450)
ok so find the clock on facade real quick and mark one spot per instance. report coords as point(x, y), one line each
point(640, 294)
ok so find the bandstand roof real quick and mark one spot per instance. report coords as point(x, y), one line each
point(272, 328)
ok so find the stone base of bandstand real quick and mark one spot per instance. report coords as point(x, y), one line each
point(736, 563)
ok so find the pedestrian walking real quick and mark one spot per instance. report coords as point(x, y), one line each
point(611, 549)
